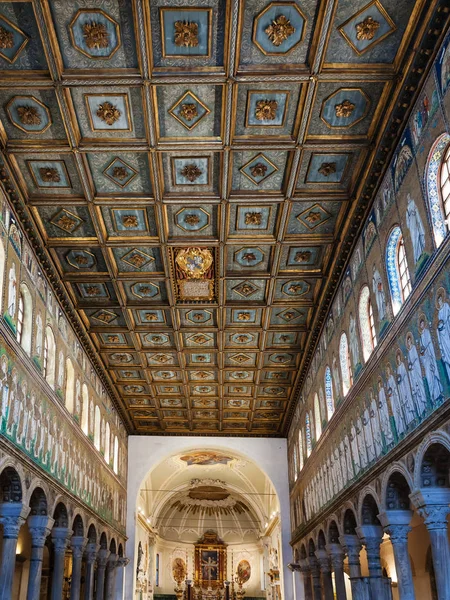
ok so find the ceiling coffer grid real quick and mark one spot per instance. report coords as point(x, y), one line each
point(190, 170)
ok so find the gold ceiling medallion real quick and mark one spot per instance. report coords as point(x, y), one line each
point(266, 110)
point(130, 221)
point(366, 30)
point(108, 113)
point(194, 273)
point(66, 223)
point(6, 38)
point(313, 217)
point(302, 256)
point(326, 169)
point(95, 35)
point(259, 170)
point(344, 109)
point(191, 173)
point(189, 111)
point(29, 115)
point(280, 30)
point(120, 173)
point(253, 218)
point(191, 219)
point(186, 34)
point(49, 174)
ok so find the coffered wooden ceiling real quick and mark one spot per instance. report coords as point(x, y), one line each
point(191, 169)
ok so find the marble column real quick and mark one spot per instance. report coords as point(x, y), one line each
point(433, 506)
point(315, 576)
point(102, 559)
point(77, 543)
point(60, 539)
point(110, 579)
point(371, 537)
point(91, 556)
point(325, 568)
point(336, 555)
point(297, 581)
point(396, 525)
point(12, 517)
point(352, 547)
point(121, 564)
point(306, 575)
point(40, 527)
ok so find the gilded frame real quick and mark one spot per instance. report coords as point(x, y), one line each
point(21, 47)
point(179, 101)
point(194, 158)
point(260, 155)
point(124, 185)
point(115, 95)
point(109, 18)
point(361, 118)
point(49, 187)
point(259, 15)
point(247, 108)
point(30, 131)
point(163, 9)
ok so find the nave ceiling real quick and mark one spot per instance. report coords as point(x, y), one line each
point(194, 174)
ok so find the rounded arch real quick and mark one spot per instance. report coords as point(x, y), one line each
point(113, 546)
point(329, 396)
point(78, 526)
point(436, 437)
point(38, 502)
point(107, 443)
point(120, 550)
point(70, 386)
point(397, 492)
point(10, 485)
point(116, 455)
point(370, 510)
point(366, 322)
point(303, 553)
point(433, 175)
point(97, 424)
point(35, 484)
point(393, 469)
point(103, 541)
point(49, 356)
point(333, 531)
point(321, 540)
point(368, 490)
point(317, 418)
point(344, 359)
point(349, 522)
point(92, 534)
point(85, 409)
point(397, 269)
point(60, 515)
point(25, 319)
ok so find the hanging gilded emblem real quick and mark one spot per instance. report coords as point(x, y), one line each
point(194, 262)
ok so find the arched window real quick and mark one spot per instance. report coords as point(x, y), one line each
point(97, 428)
point(2, 272)
point(70, 386)
point(300, 449)
point(346, 369)
point(438, 187)
point(107, 443)
point(366, 322)
point(308, 435)
point(295, 463)
point(116, 455)
point(49, 363)
point(329, 392)
point(317, 419)
point(397, 269)
point(85, 410)
point(25, 319)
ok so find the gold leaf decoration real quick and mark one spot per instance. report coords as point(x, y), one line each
point(188, 111)
point(6, 38)
point(65, 223)
point(49, 175)
point(129, 221)
point(95, 35)
point(259, 170)
point(344, 109)
point(266, 110)
point(192, 219)
point(186, 34)
point(108, 113)
point(313, 216)
point(366, 30)
point(29, 115)
point(120, 173)
point(280, 30)
point(253, 218)
point(302, 256)
point(326, 169)
point(191, 172)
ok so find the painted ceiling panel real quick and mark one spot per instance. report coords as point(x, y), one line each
point(190, 168)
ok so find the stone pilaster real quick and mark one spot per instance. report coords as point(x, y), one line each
point(77, 543)
point(396, 525)
point(433, 506)
point(12, 517)
point(102, 559)
point(122, 562)
point(60, 539)
point(91, 556)
point(371, 537)
point(325, 568)
point(352, 547)
point(336, 554)
point(110, 578)
point(40, 527)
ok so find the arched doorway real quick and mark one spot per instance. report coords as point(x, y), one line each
point(207, 492)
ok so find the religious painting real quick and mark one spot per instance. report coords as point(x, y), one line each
point(210, 560)
point(206, 458)
point(243, 571)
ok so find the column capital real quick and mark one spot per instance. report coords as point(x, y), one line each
point(40, 527)
point(352, 547)
point(102, 557)
point(433, 506)
point(60, 538)
point(304, 566)
point(336, 554)
point(396, 524)
point(91, 551)
point(111, 563)
point(78, 544)
point(12, 517)
point(323, 560)
point(123, 561)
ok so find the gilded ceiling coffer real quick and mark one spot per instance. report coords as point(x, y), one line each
point(130, 221)
point(186, 34)
point(280, 30)
point(327, 168)
point(191, 172)
point(253, 218)
point(259, 170)
point(344, 109)
point(366, 30)
point(195, 273)
point(188, 111)
point(49, 175)
point(6, 38)
point(266, 110)
point(108, 113)
point(120, 173)
point(95, 35)
point(302, 256)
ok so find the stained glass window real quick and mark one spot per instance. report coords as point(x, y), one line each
point(308, 435)
point(397, 269)
point(438, 186)
point(329, 392)
point(366, 322)
point(317, 419)
point(344, 358)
